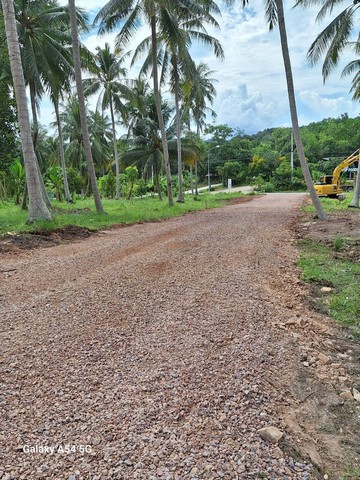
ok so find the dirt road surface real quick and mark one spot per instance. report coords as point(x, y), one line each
point(158, 351)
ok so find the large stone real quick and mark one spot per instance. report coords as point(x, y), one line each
point(356, 394)
point(346, 395)
point(326, 289)
point(313, 454)
point(270, 434)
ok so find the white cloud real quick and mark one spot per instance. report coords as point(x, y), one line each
point(239, 108)
point(332, 106)
point(251, 84)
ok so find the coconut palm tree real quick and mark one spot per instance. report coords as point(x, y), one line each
point(57, 89)
point(45, 41)
point(109, 78)
point(44, 45)
point(354, 67)
point(176, 62)
point(144, 136)
point(37, 207)
point(82, 107)
point(198, 91)
point(274, 13)
point(99, 132)
point(336, 36)
point(159, 14)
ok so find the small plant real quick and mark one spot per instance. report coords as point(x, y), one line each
point(339, 243)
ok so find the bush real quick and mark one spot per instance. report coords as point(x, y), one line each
point(75, 180)
point(107, 185)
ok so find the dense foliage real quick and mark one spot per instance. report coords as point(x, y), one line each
point(264, 158)
point(136, 164)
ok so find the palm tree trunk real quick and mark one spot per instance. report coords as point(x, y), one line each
point(34, 114)
point(191, 179)
point(116, 155)
point(35, 139)
point(159, 112)
point(355, 201)
point(81, 98)
point(37, 207)
point(68, 197)
point(24, 197)
point(178, 134)
point(158, 187)
point(293, 112)
point(196, 164)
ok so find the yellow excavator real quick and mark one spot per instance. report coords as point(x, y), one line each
point(329, 185)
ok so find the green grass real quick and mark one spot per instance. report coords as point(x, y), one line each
point(321, 267)
point(332, 204)
point(83, 214)
point(352, 474)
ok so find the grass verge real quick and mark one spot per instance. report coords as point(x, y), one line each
point(324, 265)
point(83, 214)
point(321, 268)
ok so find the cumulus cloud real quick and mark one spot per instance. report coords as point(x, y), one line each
point(247, 110)
point(251, 88)
point(327, 106)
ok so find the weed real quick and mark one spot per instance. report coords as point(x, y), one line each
point(352, 474)
point(338, 243)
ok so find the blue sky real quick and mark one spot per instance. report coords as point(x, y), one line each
point(251, 88)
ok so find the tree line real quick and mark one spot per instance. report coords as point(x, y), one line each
point(45, 55)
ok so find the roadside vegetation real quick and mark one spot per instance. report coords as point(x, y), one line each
point(331, 266)
point(83, 214)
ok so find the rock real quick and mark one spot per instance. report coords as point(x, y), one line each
point(313, 454)
point(324, 359)
point(356, 394)
point(270, 434)
point(278, 453)
point(326, 289)
point(346, 395)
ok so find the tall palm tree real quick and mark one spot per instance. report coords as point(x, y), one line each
point(144, 136)
point(354, 67)
point(159, 14)
point(99, 132)
point(274, 13)
point(109, 80)
point(198, 91)
point(58, 86)
point(335, 37)
point(176, 62)
point(82, 107)
point(330, 43)
point(37, 207)
point(45, 41)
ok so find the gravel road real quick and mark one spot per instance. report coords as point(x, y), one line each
point(150, 352)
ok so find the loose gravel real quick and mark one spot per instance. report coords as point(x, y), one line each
point(151, 352)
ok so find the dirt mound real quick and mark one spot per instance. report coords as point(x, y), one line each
point(12, 244)
point(343, 227)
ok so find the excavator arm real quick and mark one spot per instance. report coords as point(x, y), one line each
point(329, 185)
point(344, 164)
